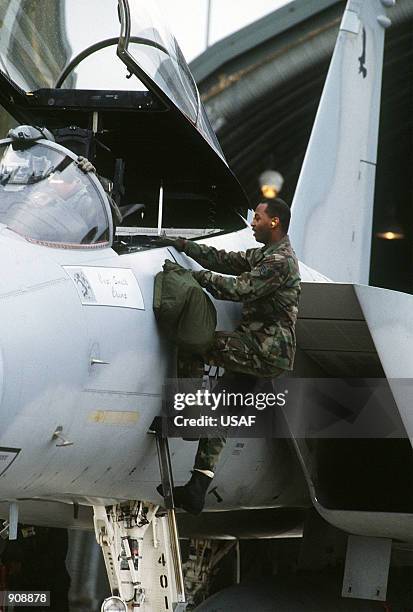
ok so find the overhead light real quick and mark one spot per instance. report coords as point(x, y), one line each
point(389, 227)
point(271, 183)
point(391, 232)
point(390, 235)
point(114, 604)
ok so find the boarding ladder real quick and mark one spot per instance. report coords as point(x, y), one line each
point(140, 546)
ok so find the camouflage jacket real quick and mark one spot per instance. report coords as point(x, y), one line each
point(267, 282)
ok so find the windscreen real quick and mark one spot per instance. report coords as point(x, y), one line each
point(45, 197)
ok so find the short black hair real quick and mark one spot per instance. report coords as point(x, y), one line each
point(278, 208)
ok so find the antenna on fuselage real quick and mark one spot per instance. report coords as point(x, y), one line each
point(160, 208)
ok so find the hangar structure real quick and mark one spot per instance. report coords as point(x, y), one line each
point(261, 87)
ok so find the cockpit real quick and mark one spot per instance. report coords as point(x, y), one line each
point(46, 198)
point(121, 94)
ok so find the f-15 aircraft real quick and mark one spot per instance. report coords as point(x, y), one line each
point(82, 361)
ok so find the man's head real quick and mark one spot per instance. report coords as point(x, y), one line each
point(271, 220)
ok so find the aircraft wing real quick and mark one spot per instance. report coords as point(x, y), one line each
point(359, 331)
point(357, 458)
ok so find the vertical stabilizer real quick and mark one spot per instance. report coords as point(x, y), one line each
point(333, 204)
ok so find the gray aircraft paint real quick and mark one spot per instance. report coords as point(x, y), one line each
point(332, 209)
point(50, 338)
point(389, 316)
point(105, 406)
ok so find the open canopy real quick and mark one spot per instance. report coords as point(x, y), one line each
point(66, 60)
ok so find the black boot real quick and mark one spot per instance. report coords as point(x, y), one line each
point(191, 497)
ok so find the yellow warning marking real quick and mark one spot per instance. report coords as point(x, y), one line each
point(113, 417)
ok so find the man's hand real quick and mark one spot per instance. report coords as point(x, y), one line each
point(85, 165)
point(163, 241)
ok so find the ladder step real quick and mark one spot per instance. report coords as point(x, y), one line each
point(143, 561)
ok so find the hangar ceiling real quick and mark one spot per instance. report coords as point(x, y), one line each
point(261, 88)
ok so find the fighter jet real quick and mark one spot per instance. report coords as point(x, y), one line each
point(82, 361)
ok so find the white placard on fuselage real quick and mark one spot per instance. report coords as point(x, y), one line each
point(98, 286)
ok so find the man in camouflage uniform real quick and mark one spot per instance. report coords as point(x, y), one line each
point(267, 282)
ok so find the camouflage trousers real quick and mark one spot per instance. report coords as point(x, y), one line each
point(209, 449)
point(233, 352)
point(208, 453)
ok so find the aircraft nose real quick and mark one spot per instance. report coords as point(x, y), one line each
point(43, 337)
point(1, 376)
